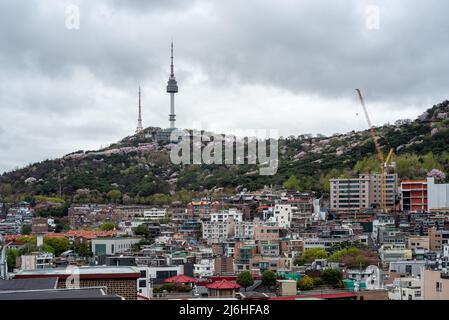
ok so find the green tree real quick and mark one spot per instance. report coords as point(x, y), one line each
point(61, 211)
point(268, 278)
point(108, 226)
point(11, 256)
point(367, 165)
point(169, 287)
point(245, 279)
point(311, 255)
point(306, 283)
point(61, 226)
point(142, 230)
point(5, 190)
point(83, 249)
point(332, 277)
point(292, 183)
point(59, 245)
point(47, 248)
point(114, 195)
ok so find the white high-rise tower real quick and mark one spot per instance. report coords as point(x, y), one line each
point(172, 88)
point(139, 128)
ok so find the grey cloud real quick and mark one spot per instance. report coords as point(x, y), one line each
point(52, 78)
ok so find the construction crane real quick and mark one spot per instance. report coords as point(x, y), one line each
point(385, 162)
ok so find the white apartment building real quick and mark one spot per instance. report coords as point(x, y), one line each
point(111, 246)
point(151, 275)
point(205, 268)
point(216, 232)
point(154, 214)
point(406, 289)
point(352, 194)
point(219, 231)
point(224, 215)
point(283, 214)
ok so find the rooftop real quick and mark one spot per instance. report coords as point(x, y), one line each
point(84, 272)
point(223, 285)
point(181, 279)
point(59, 294)
point(28, 284)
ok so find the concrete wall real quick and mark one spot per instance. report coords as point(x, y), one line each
point(438, 195)
point(429, 288)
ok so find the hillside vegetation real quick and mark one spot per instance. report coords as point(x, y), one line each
point(138, 170)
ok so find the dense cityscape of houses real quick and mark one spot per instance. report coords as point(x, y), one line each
point(269, 244)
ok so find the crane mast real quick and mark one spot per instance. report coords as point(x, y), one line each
point(384, 162)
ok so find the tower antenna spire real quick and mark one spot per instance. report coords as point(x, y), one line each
point(139, 128)
point(172, 67)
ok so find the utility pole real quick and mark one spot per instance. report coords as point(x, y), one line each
point(4, 261)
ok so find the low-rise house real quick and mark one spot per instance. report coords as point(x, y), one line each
point(204, 268)
point(111, 246)
point(222, 289)
point(406, 289)
point(394, 252)
point(37, 260)
point(258, 264)
point(410, 268)
point(287, 287)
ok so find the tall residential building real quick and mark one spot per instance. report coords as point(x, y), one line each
point(352, 194)
point(424, 195)
point(218, 231)
point(414, 195)
point(438, 198)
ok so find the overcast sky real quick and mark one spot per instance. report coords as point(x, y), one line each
point(285, 65)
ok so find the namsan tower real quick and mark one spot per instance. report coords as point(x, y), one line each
point(139, 128)
point(172, 88)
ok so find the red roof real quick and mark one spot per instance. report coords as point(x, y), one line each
point(181, 279)
point(90, 234)
point(54, 235)
point(343, 295)
point(223, 285)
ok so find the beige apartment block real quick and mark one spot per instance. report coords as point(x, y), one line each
point(352, 194)
point(435, 285)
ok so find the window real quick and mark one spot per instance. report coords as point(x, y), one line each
point(100, 249)
point(143, 273)
point(439, 287)
point(142, 283)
